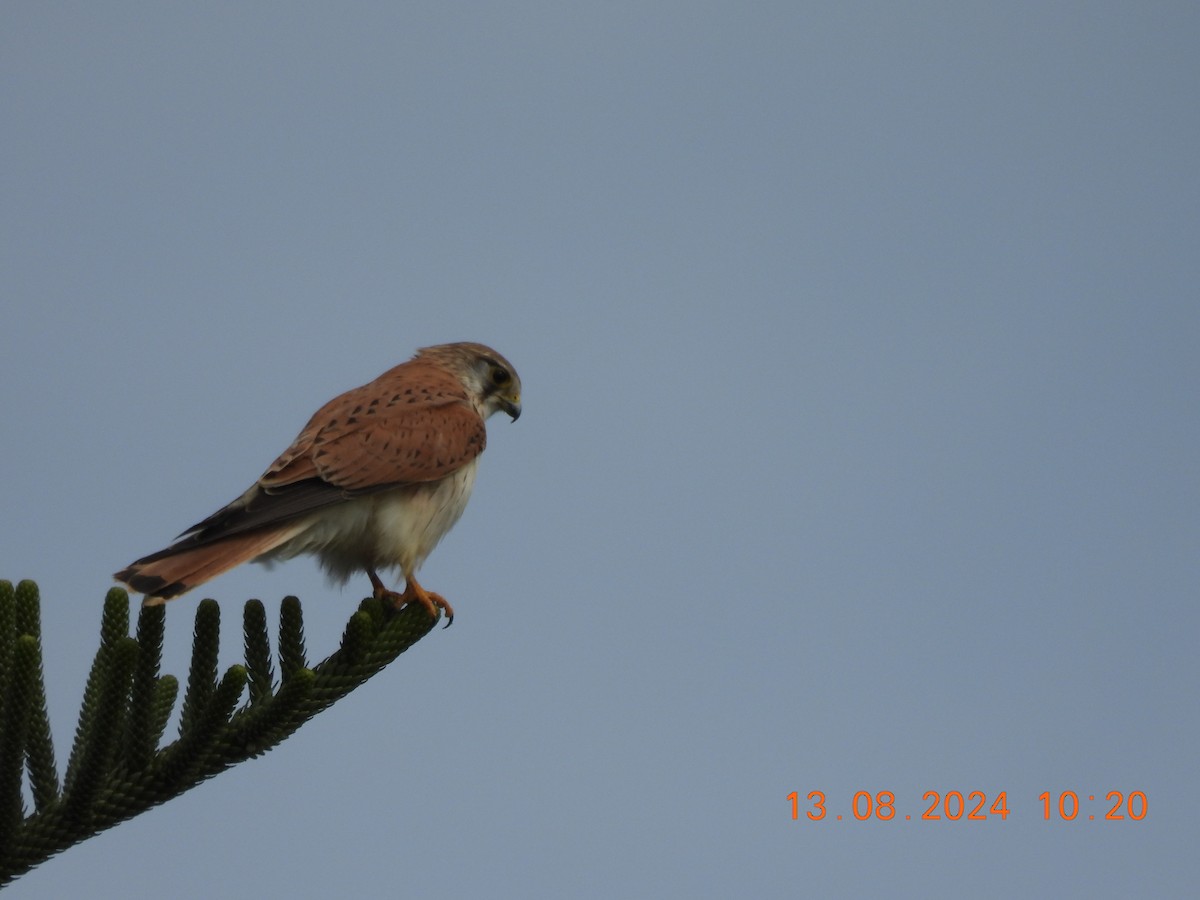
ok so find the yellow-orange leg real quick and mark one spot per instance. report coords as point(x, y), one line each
point(412, 591)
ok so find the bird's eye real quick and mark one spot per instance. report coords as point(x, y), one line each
point(500, 376)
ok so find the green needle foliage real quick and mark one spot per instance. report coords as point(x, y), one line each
point(117, 768)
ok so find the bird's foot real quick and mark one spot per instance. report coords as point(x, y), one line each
point(432, 602)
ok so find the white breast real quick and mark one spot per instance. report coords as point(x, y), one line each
point(391, 529)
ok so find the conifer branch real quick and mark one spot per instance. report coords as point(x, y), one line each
point(117, 768)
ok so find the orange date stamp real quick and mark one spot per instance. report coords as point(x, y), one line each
point(973, 806)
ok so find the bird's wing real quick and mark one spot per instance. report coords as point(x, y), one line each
point(413, 424)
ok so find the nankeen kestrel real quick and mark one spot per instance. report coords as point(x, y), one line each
point(374, 481)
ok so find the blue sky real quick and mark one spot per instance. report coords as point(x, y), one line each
point(858, 452)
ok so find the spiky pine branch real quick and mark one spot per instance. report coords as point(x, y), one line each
point(117, 768)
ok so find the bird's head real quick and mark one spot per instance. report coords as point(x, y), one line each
point(491, 379)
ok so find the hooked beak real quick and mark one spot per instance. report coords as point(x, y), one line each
point(512, 407)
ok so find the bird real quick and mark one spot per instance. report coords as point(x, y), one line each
point(374, 481)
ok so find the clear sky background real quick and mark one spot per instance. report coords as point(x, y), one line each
point(860, 352)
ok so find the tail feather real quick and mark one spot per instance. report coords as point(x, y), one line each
point(168, 573)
